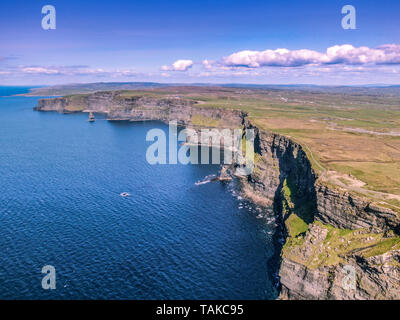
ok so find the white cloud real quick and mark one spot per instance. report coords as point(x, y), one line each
point(208, 64)
point(179, 65)
point(74, 71)
point(40, 70)
point(339, 54)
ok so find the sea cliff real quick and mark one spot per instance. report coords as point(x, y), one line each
point(337, 245)
point(118, 106)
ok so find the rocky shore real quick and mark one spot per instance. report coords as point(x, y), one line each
point(337, 245)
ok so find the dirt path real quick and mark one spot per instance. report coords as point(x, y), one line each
point(350, 183)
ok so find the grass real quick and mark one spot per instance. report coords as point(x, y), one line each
point(378, 176)
point(199, 120)
point(382, 247)
point(297, 211)
point(295, 225)
point(76, 102)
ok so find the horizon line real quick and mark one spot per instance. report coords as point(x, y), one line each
point(205, 84)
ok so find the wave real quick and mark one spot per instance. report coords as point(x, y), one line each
point(206, 179)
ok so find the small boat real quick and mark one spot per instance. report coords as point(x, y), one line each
point(125, 194)
point(91, 117)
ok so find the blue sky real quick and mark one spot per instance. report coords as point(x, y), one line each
point(141, 40)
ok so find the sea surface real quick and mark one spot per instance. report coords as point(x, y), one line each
point(175, 237)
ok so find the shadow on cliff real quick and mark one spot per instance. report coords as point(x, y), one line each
point(296, 193)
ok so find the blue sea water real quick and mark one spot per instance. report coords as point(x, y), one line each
point(60, 205)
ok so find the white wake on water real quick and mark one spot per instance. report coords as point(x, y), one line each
point(206, 179)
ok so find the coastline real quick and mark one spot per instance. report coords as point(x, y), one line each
point(285, 183)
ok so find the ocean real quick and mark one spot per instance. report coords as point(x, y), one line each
point(174, 237)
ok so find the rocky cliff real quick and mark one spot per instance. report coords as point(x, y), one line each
point(120, 106)
point(340, 264)
point(328, 232)
point(337, 245)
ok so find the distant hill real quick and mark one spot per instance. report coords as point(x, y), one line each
point(61, 90)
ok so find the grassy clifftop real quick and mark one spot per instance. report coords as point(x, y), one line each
point(351, 138)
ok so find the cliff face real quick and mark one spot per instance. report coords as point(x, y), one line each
point(280, 158)
point(327, 231)
point(342, 210)
point(54, 104)
point(142, 108)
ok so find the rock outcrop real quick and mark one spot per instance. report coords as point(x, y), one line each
point(346, 211)
point(326, 230)
point(360, 275)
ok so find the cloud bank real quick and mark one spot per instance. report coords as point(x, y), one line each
point(339, 64)
point(340, 54)
point(74, 71)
